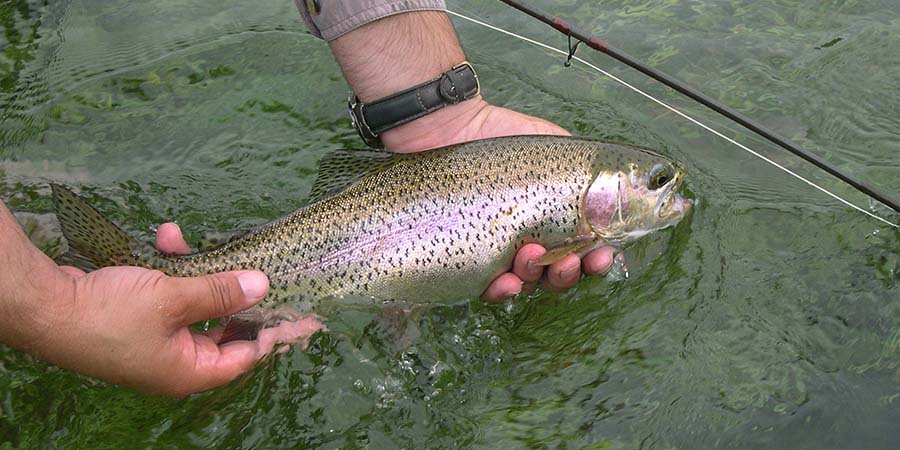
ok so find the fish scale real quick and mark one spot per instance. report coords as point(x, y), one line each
point(428, 227)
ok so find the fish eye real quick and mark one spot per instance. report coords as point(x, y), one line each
point(659, 176)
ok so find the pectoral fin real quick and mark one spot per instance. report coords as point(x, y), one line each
point(557, 253)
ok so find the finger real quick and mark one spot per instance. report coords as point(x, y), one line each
point(191, 300)
point(564, 273)
point(542, 126)
point(524, 265)
point(169, 240)
point(598, 261)
point(288, 332)
point(507, 122)
point(215, 365)
point(502, 288)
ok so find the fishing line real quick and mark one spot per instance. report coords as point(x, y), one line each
point(676, 111)
point(598, 44)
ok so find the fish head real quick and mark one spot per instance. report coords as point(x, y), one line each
point(642, 196)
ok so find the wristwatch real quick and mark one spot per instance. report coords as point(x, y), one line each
point(371, 119)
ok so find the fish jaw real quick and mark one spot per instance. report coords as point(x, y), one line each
point(670, 205)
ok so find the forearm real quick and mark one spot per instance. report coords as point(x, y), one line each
point(387, 46)
point(397, 52)
point(31, 285)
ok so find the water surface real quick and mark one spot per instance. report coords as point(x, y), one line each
point(769, 319)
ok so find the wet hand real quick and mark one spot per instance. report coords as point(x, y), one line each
point(170, 240)
point(560, 275)
point(130, 326)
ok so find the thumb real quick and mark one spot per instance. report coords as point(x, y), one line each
point(218, 295)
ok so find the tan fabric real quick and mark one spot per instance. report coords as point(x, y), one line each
point(337, 17)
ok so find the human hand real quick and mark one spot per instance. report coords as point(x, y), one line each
point(129, 326)
point(467, 121)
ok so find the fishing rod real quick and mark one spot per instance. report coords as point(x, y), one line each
point(602, 46)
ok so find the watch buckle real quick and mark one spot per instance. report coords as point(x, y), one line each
point(358, 120)
point(449, 89)
point(477, 81)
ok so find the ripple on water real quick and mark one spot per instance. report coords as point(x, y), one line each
point(767, 319)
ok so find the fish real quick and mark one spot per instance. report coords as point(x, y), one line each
point(429, 227)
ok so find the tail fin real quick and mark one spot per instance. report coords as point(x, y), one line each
point(94, 241)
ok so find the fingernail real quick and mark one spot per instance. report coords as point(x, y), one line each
point(533, 268)
point(254, 285)
point(568, 274)
point(609, 266)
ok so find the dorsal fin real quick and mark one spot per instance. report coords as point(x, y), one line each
point(340, 169)
point(94, 241)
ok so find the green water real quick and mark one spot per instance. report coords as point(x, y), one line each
point(769, 319)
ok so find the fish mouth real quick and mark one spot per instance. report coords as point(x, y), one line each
point(669, 203)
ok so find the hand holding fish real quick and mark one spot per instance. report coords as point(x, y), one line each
point(128, 325)
point(138, 333)
point(401, 63)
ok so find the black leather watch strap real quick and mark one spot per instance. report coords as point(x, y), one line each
point(453, 86)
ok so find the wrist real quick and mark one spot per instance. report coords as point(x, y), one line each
point(373, 119)
point(449, 125)
point(398, 52)
point(31, 314)
point(32, 288)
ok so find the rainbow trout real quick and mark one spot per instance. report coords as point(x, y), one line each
point(424, 227)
